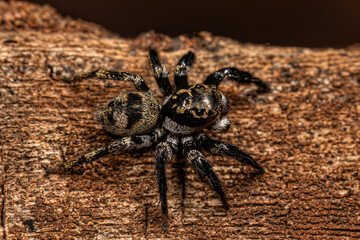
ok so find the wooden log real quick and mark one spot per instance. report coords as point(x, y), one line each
point(305, 134)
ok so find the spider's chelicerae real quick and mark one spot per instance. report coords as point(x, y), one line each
point(176, 126)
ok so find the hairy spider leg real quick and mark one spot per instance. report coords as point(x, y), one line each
point(138, 82)
point(238, 76)
point(164, 152)
point(160, 73)
point(124, 144)
point(182, 70)
point(203, 167)
point(229, 150)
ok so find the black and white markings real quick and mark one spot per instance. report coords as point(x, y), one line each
point(177, 126)
point(182, 70)
point(129, 114)
point(236, 75)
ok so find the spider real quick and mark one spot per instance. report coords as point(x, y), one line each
point(175, 127)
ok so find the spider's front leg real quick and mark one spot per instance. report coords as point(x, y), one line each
point(123, 144)
point(236, 75)
point(229, 150)
point(163, 153)
point(203, 167)
point(182, 70)
point(160, 73)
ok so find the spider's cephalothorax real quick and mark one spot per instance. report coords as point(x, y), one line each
point(191, 110)
point(179, 123)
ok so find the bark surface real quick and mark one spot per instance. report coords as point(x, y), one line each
point(305, 134)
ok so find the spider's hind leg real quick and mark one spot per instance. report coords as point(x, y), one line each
point(122, 144)
point(236, 75)
point(182, 70)
point(160, 73)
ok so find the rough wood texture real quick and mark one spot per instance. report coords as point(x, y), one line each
point(305, 134)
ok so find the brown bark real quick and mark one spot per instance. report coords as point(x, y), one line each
point(305, 134)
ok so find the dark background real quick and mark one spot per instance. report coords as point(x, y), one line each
point(315, 23)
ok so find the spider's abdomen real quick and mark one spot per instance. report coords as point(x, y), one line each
point(194, 107)
point(130, 114)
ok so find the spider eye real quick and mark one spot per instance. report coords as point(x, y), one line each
point(199, 111)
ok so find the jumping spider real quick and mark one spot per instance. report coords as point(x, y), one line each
point(178, 124)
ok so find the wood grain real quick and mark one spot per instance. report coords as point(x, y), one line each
point(305, 134)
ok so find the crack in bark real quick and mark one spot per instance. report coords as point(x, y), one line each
point(180, 165)
point(183, 187)
point(286, 221)
point(287, 215)
point(50, 67)
point(2, 210)
point(146, 220)
point(62, 155)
